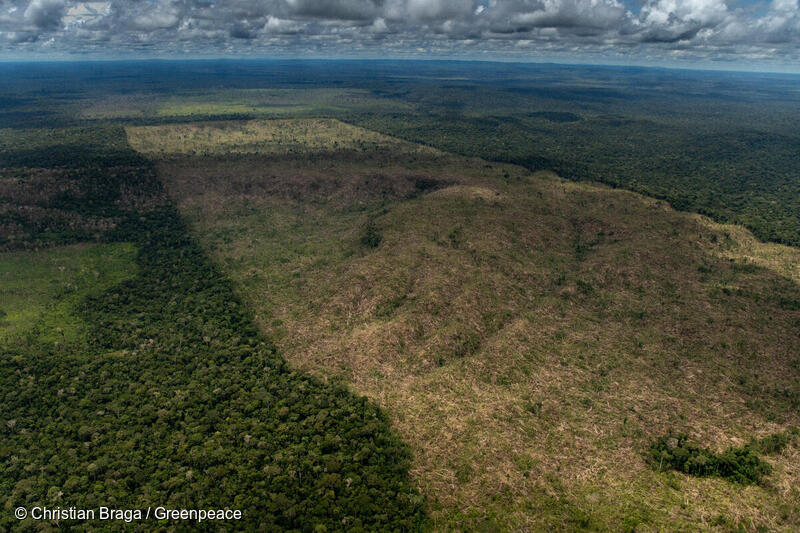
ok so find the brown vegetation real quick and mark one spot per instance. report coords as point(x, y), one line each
point(529, 337)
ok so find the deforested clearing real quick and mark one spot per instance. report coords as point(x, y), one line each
point(530, 338)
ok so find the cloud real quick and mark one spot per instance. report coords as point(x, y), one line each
point(379, 26)
point(597, 14)
point(87, 13)
point(430, 10)
point(150, 16)
point(241, 31)
point(667, 12)
point(700, 29)
point(275, 25)
point(46, 14)
point(335, 9)
point(22, 37)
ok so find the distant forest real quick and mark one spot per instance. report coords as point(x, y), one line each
point(722, 144)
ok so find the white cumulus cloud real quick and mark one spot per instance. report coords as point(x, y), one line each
point(666, 28)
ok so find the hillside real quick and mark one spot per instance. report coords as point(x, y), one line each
point(530, 338)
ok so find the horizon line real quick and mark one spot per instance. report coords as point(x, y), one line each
point(515, 61)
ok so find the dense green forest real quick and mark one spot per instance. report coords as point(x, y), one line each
point(172, 396)
point(732, 155)
point(749, 177)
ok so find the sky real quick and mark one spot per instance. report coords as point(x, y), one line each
point(736, 34)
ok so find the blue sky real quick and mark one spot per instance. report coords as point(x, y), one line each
point(746, 34)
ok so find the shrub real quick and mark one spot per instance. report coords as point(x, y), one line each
point(678, 452)
point(371, 238)
point(773, 444)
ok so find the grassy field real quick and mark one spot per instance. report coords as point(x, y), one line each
point(39, 290)
point(528, 336)
point(264, 137)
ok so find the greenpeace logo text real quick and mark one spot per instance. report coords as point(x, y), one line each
point(126, 515)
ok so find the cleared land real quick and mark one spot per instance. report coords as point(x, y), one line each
point(263, 137)
point(529, 337)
